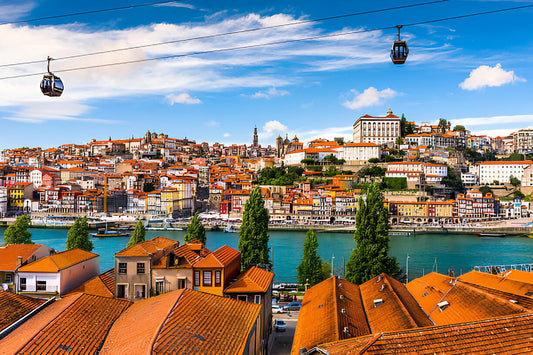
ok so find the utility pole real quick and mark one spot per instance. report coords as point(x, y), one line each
point(407, 269)
point(332, 260)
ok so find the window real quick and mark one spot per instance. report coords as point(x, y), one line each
point(196, 278)
point(242, 298)
point(207, 278)
point(257, 299)
point(23, 284)
point(122, 291)
point(140, 268)
point(217, 278)
point(159, 289)
point(41, 285)
point(9, 278)
point(122, 268)
point(140, 291)
point(181, 283)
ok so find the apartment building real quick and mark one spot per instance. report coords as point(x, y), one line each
point(377, 130)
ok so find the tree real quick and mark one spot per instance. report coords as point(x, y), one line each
point(253, 233)
point(459, 128)
point(443, 125)
point(138, 234)
point(310, 269)
point(373, 160)
point(78, 235)
point(196, 230)
point(406, 127)
point(370, 257)
point(514, 181)
point(518, 193)
point(18, 233)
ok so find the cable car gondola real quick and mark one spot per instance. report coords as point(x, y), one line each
point(51, 85)
point(399, 51)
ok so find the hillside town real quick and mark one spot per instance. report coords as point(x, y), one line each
point(430, 174)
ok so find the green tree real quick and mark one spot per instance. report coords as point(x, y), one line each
point(406, 127)
point(515, 157)
point(518, 193)
point(138, 234)
point(310, 269)
point(370, 257)
point(78, 235)
point(253, 234)
point(514, 181)
point(459, 128)
point(18, 233)
point(196, 230)
point(373, 160)
point(485, 189)
point(443, 125)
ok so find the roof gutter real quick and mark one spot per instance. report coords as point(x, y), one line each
point(19, 322)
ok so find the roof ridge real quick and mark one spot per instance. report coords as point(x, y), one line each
point(442, 298)
point(156, 334)
point(337, 332)
point(402, 306)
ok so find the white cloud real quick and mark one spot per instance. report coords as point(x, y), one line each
point(488, 76)
point(492, 120)
point(272, 92)
point(211, 123)
point(13, 12)
point(182, 99)
point(369, 97)
point(270, 128)
point(178, 4)
point(226, 135)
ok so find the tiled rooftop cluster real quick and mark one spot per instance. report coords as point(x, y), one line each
point(474, 313)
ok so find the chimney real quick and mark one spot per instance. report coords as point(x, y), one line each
point(20, 261)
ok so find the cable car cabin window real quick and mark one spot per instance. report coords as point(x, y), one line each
point(52, 85)
point(399, 52)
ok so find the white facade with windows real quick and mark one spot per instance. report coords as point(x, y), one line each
point(357, 152)
point(501, 171)
point(377, 130)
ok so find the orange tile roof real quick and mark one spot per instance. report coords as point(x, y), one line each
point(519, 275)
point(14, 306)
point(322, 319)
point(102, 285)
point(399, 309)
point(148, 247)
point(506, 335)
point(226, 254)
point(59, 261)
point(429, 289)
point(253, 280)
point(206, 324)
point(77, 324)
point(136, 330)
point(9, 255)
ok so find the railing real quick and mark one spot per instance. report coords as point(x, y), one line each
point(497, 269)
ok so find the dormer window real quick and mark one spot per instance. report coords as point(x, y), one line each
point(443, 305)
point(378, 301)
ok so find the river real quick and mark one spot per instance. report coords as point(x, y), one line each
point(462, 251)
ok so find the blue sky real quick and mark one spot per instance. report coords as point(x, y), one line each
point(473, 71)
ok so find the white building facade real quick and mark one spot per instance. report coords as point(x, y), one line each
point(377, 130)
point(501, 171)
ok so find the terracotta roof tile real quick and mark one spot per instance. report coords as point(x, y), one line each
point(506, 335)
point(429, 289)
point(219, 258)
point(9, 255)
point(59, 261)
point(206, 324)
point(399, 310)
point(519, 275)
point(14, 306)
point(76, 324)
point(102, 285)
point(148, 247)
point(253, 280)
point(321, 318)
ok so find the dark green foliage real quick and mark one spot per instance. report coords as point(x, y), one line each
point(316, 182)
point(452, 180)
point(332, 159)
point(148, 187)
point(488, 155)
point(310, 269)
point(373, 160)
point(253, 234)
point(394, 183)
point(373, 171)
point(443, 125)
point(370, 257)
point(332, 171)
point(485, 189)
point(78, 235)
point(459, 128)
point(515, 157)
point(472, 155)
point(406, 128)
point(138, 234)
point(514, 181)
point(280, 176)
point(389, 158)
point(518, 193)
point(314, 168)
point(308, 161)
point(196, 230)
point(18, 233)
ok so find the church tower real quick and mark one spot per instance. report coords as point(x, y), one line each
point(256, 138)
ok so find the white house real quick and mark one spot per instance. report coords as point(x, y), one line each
point(501, 171)
point(57, 274)
point(358, 152)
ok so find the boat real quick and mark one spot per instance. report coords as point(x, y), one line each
point(491, 234)
point(105, 233)
point(230, 228)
